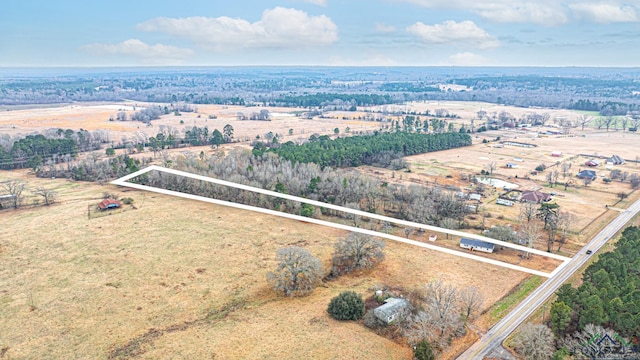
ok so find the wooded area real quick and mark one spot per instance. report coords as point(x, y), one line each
point(609, 295)
point(359, 150)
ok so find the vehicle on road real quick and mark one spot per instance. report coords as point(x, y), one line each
point(589, 252)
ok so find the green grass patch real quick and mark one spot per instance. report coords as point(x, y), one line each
point(513, 298)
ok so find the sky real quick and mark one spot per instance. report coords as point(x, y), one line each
point(69, 33)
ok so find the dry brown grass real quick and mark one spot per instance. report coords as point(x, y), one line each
point(181, 279)
point(96, 117)
point(192, 272)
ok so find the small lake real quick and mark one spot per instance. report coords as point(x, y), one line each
point(497, 183)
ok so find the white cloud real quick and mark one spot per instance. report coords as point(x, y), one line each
point(605, 12)
point(545, 12)
point(384, 28)
point(467, 59)
point(155, 54)
point(278, 28)
point(451, 32)
point(317, 2)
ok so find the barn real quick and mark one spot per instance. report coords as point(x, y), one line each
point(107, 204)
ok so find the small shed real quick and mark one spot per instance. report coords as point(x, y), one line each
point(556, 153)
point(433, 237)
point(390, 310)
point(6, 201)
point(505, 202)
point(107, 204)
point(476, 197)
point(476, 245)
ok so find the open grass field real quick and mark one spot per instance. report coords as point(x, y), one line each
point(96, 117)
point(180, 279)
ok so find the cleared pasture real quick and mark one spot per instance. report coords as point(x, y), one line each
point(192, 272)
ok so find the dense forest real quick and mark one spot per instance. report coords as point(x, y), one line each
point(609, 295)
point(359, 150)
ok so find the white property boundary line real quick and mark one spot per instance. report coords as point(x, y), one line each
point(123, 181)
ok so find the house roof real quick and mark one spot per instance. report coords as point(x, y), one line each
point(391, 306)
point(616, 160)
point(477, 243)
point(109, 203)
point(535, 196)
point(587, 173)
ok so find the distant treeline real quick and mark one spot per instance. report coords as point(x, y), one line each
point(363, 150)
point(408, 87)
point(322, 99)
point(609, 295)
point(605, 108)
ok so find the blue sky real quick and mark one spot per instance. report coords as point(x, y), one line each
point(320, 32)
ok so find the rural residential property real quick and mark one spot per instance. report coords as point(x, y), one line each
point(318, 179)
point(477, 245)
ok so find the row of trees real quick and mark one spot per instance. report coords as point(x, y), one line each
point(359, 150)
point(94, 168)
point(348, 101)
point(342, 187)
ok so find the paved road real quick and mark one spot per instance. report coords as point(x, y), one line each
point(499, 332)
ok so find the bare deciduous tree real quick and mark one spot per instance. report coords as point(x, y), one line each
point(356, 251)
point(354, 217)
point(442, 304)
point(566, 166)
point(14, 189)
point(534, 342)
point(610, 121)
point(297, 273)
point(491, 166)
point(528, 210)
point(48, 195)
point(565, 221)
point(471, 300)
point(531, 232)
point(584, 120)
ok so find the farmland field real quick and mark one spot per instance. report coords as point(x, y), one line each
point(177, 278)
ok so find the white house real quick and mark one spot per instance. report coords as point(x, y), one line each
point(476, 245)
point(390, 310)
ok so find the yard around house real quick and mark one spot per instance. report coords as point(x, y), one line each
point(182, 279)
